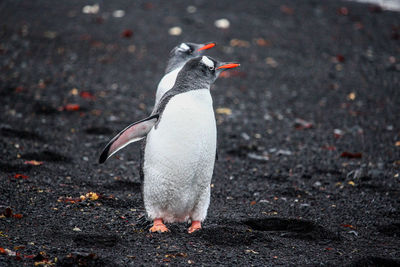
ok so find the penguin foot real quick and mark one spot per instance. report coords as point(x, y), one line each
point(159, 226)
point(196, 225)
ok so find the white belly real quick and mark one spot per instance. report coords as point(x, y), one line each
point(166, 83)
point(179, 157)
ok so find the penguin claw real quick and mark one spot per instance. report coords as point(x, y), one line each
point(159, 227)
point(196, 225)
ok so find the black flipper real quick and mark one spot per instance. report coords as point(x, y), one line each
point(134, 132)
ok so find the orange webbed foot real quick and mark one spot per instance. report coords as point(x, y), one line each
point(196, 225)
point(159, 226)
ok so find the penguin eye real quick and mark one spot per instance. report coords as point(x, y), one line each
point(211, 68)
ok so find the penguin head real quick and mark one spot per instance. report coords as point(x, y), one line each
point(186, 51)
point(203, 71)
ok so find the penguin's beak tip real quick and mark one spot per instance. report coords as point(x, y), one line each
point(207, 46)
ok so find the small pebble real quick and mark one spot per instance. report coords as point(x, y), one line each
point(114, 86)
point(284, 152)
point(245, 136)
point(118, 13)
point(112, 118)
point(258, 157)
point(222, 23)
point(88, 9)
point(339, 67)
point(267, 117)
point(191, 9)
point(50, 34)
point(175, 31)
point(317, 184)
point(131, 49)
point(338, 132)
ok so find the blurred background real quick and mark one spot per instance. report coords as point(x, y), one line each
point(308, 126)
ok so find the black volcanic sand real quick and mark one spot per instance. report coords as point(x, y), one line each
point(323, 191)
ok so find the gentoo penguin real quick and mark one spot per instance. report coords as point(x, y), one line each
point(179, 152)
point(177, 58)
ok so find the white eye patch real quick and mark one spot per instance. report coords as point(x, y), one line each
point(184, 47)
point(209, 63)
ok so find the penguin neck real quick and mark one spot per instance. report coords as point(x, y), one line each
point(191, 81)
point(174, 64)
point(185, 82)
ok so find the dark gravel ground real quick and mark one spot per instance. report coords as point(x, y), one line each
point(323, 191)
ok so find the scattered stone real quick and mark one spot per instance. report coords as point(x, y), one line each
point(91, 9)
point(245, 136)
point(175, 31)
point(258, 157)
point(317, 184)
point(284, 152)
point(191, 9)
point(271, 62)
point(222, 23)
point(118, 13)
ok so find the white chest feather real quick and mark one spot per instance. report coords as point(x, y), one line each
point(180, 154)
point(166, 83)
point(186, 131)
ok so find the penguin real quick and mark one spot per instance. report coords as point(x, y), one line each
point(180, 147)
point(179, 55)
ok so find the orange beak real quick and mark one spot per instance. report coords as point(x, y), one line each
point(229, 66)
point(207, 46)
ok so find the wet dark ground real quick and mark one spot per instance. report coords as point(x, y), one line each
point(323, 190)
